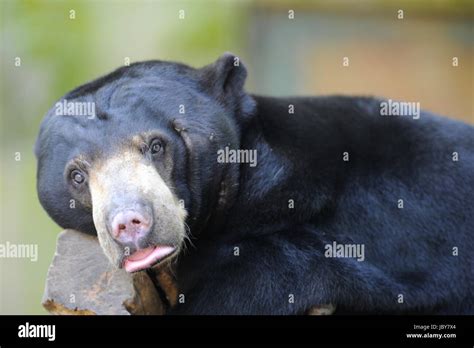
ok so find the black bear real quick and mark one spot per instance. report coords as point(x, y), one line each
point(265, 205)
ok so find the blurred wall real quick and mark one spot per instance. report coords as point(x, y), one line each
point(407, 59)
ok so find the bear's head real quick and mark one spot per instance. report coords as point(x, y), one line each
point(132, 156)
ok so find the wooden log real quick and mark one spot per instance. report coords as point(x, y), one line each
point(82, 281)
point(328, 309)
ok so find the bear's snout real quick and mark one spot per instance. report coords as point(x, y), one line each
point(131, 226)
point(138, 219)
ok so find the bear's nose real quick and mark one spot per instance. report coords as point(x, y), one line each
point(130, 226)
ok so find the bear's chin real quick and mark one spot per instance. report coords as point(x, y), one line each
point(148, 257)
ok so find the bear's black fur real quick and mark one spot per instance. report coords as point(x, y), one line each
point(259, 233)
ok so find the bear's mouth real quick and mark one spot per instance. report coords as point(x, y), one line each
point(145, 258)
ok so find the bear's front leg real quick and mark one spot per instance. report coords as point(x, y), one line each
point(268, 275)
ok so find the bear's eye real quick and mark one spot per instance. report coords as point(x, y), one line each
point(77, 177)
point(155, 146)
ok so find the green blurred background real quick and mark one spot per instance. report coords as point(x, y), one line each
point(408, 59)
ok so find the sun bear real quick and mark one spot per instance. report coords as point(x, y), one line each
point(264, 205)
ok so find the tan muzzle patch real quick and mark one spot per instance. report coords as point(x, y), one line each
point(129, 181)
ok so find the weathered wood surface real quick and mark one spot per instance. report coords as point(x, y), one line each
point(81, 281)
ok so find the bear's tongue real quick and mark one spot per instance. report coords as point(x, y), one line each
point(147, 257)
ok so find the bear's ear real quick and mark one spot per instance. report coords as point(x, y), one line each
point(224, 79)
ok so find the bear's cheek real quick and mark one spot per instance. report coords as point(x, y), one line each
point(127, 182)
